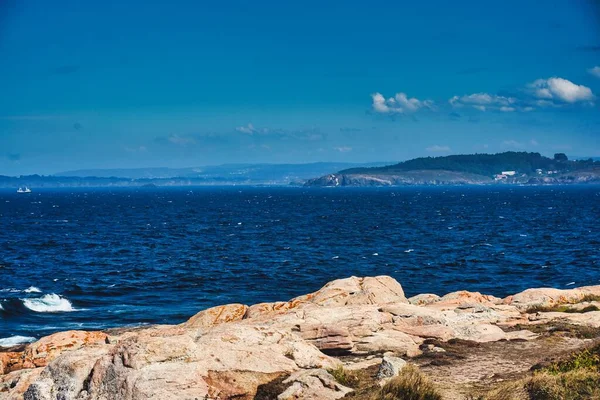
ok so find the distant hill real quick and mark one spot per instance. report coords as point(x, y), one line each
point(229, 174)
point(481, 164)
point(532, 168)
point(280, 173)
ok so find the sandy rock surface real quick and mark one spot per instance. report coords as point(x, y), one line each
point(227, 352)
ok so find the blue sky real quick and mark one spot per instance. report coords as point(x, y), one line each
point(118, 84)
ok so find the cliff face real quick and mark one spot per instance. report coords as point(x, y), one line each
point(233, 351)
point(424, 177)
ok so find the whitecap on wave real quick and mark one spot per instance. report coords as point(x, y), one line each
point(15, 340)
point(10, 291)
point(49, 303)
point(32, 289)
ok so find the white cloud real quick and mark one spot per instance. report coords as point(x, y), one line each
point(438, 149)
point(513, 144)
point(307, 134)
point(248, 129)
point(541, 93)
point(139, 149)
point(484, 102)
point(343, 149)
point(595, 71)
point(181, 140)
point(379, 103)
point(399, 104)
point(534, 142)
point(251, 130)
point(560, 90)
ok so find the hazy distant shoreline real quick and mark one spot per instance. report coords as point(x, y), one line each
point(512, 168)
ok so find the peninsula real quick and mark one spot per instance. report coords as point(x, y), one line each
point(470, 169)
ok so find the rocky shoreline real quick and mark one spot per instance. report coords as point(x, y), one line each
point(465, 342)
point(441, 177)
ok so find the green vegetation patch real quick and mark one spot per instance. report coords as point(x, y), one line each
point(351, 379)
point(566, 308)
point(576, 377)
point(588, 359)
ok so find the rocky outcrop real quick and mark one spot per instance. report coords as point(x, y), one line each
point(547, 297)
point(230, 351)
point(416, 177)
point(591, 175)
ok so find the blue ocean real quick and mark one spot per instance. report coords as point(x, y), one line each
point(100, 258)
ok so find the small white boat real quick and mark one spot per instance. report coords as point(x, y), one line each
point(23, 189)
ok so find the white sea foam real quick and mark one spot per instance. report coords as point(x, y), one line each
point(32, 289)
point(375, 254)
point(335, 257)
point(10, 290)
point(409, 250)
point(570, 283)
point(49, 303)
point(15, 340)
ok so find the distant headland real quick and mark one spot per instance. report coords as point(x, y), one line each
point(470, 169)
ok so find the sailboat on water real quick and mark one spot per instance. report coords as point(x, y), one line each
point(23, 189)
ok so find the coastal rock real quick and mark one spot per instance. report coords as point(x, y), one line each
point(341, 292)
point(42, 352)
point(408, 177)
point(464, 297)
point(356, 291)
point(315, 384)
point(480, 333)
point(390, 367)
point(230, 351)
point(591, 319)
point(423, 299)
point(548, 297)
point(217, 315)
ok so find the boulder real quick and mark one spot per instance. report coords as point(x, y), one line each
point(314, 384)
point(423, 299)
point(217, 315)
point(390, 367)
point(549, 297)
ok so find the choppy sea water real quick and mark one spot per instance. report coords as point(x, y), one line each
point(99, 258)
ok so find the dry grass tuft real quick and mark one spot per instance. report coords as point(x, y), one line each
point(346, 378)
point(574, 378)
point(573, 385)
point(565, 308)
point(410, 384)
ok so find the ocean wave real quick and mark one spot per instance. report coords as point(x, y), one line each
point(49, 303)
point(32, 289)
point(16, 340)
